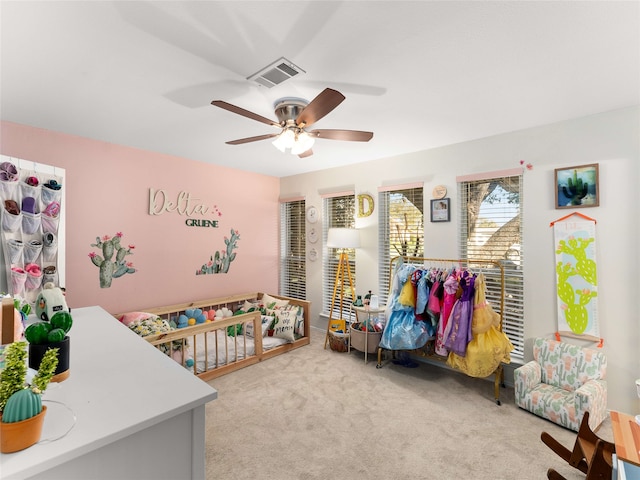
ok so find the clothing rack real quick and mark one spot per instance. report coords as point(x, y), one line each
point(493, 271)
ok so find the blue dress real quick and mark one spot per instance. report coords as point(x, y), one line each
point(402, 331)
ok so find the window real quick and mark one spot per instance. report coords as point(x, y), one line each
point(491, 231)
point(339, 212)
point(401, 232)
point(293, 271)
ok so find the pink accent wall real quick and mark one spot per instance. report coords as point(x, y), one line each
point(107, 191)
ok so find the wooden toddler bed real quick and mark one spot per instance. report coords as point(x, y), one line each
point(222, 345)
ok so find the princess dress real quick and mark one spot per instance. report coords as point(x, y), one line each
point(403, 331)
point(489, 345)
point(458, 332)
point(436, 292)
point(450, 287)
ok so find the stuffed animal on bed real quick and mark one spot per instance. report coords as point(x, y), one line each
point(223, 312)
point(191, 316)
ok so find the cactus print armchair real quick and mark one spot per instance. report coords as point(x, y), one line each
point(562, 382)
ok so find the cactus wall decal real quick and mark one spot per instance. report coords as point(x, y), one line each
point(112, 263)
point(221, 260)
point(576, 277)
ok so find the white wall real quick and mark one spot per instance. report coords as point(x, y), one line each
point(611, 139)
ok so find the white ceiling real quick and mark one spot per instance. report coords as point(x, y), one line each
point(418, 74)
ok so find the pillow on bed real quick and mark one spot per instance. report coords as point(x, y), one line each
point(272, 302)
point(286, 323)
point(153, 325)
point(265, 319)
point(299, 330)
point(249, 306)
point(131, 317)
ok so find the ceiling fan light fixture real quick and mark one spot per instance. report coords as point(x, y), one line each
point(303, 142)
point(297, 142)
point(285, 140)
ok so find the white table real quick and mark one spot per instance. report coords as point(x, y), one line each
point(138, 413)
point(368, 314)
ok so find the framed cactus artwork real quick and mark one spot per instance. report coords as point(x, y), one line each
point(577, 187)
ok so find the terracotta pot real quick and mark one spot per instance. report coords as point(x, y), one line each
point(17, 436)
point(36, 352)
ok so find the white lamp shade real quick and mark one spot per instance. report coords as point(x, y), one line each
point(303, 142)
point(343, 238)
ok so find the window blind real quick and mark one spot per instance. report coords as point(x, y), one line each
point(401, 231)
point(338, 212)
point(293, 271)
point(491, 231)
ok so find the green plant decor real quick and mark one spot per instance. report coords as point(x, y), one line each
point(112, 263)
point(19, 400)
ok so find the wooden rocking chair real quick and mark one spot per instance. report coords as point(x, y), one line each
point(591, 454)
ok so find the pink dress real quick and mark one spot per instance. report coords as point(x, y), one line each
point(451, 285)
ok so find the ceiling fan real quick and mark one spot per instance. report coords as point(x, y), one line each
point(295, 115)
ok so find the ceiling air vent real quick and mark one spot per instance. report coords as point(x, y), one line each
point(276, 73)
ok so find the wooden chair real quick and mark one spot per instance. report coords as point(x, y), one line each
point(591, 454)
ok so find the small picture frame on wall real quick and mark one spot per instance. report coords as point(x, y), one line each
point(440, 210)
point(577, 187)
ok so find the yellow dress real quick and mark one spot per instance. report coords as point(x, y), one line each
point(489, 346)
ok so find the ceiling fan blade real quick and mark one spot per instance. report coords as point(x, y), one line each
point(308, 153)
point(324, 103)
point(240, 141)
point(243, 112)
point(348, 135)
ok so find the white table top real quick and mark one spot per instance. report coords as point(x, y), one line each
point(118, 385)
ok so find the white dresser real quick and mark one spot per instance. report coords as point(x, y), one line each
point(138, 414)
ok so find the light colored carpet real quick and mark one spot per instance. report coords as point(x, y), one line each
point(318, 414)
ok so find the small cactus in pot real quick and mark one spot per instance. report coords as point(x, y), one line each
point(45, 335)
point(20, 402)
point(13, 381)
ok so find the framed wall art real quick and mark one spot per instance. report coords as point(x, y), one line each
point(440, 210)
point(577, 187)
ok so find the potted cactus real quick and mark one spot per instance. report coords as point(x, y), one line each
point(47, 334)
point(21, 410)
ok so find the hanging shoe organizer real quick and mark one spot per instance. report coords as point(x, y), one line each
point(31, 226)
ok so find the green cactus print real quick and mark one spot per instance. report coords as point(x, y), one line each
point(576, 189)
point(220, 262)
point(577, 247)
point(574, 302)
point(108, 267)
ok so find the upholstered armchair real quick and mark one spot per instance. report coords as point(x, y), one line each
point(562, 382)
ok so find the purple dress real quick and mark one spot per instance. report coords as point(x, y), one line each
point(458, 332)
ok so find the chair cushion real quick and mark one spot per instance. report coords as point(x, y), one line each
point(568, 366)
